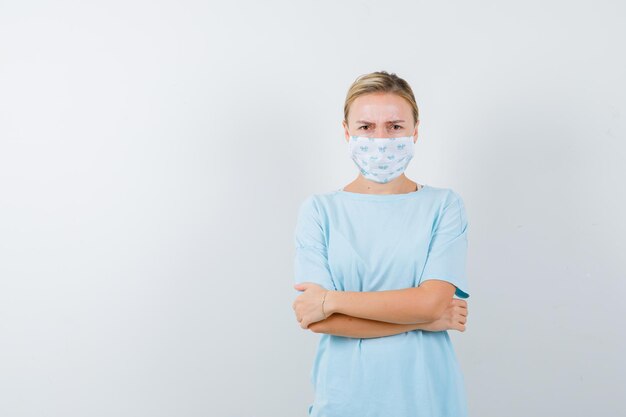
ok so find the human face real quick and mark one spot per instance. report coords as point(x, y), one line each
point(380, 115)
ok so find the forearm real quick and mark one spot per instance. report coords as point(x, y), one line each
point(404, 306)
point(348, 326)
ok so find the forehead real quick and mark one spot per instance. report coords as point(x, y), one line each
point(380, 106)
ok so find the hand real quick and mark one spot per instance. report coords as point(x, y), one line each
point(308, 305)
point(453, 318)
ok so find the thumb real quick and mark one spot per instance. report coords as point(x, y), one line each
point(300, 286)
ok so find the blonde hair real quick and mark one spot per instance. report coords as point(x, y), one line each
point(380, 82)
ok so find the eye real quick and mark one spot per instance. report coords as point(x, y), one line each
point(398, 126)
point(362, 127)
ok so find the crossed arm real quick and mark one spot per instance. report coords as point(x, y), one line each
point(384, 313)
point(343, 325)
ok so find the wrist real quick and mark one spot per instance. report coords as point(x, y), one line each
point(331, 302)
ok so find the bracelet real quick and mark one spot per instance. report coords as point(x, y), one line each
point(324, 299)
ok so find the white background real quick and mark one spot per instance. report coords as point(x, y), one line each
point(153, 156)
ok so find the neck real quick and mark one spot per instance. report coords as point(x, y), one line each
point(399, 185)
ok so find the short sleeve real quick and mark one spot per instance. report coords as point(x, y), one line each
point(447, 253)
point(311, 260)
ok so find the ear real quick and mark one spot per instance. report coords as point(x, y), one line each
point(345, 130)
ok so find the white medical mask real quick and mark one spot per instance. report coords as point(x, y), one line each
point(381, 159)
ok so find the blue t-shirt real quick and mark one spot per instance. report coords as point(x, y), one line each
point(349, 241)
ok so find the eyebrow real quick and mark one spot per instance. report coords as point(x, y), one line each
point(391, 121)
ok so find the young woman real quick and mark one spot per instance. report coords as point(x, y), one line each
point(377, 265)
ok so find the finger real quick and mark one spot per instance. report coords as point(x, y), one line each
point(459, 305)
point(460, 302)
